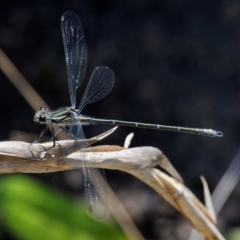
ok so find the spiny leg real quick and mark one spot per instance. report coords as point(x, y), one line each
point(41, 137)
point(53, 138)
point(68, 132)
point(43, 132)
point(55, 134)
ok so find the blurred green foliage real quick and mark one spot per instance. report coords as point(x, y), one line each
point(32, 210)
point(233, 234)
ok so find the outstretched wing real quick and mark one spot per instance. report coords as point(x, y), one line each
point(100, 85)
point(95, 182)
point(75, 49)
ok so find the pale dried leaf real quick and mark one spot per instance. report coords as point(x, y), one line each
point(208, 200)
point(128, 140)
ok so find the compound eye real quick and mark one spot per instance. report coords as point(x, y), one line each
point(42, 119)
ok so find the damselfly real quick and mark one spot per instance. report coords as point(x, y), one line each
point(71, 120)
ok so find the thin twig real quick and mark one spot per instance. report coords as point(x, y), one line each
point(18, 80)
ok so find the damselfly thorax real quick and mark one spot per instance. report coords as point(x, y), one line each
point(60, 117)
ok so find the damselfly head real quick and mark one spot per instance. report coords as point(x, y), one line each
point(41, 116)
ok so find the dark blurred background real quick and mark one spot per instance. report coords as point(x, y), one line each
point(175, 63)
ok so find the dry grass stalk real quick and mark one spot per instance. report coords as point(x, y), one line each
point(140, 162)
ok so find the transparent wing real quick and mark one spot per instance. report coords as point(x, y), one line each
point(100, 84)
point(96, 187)
point(96, 190)
point(75, 49)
